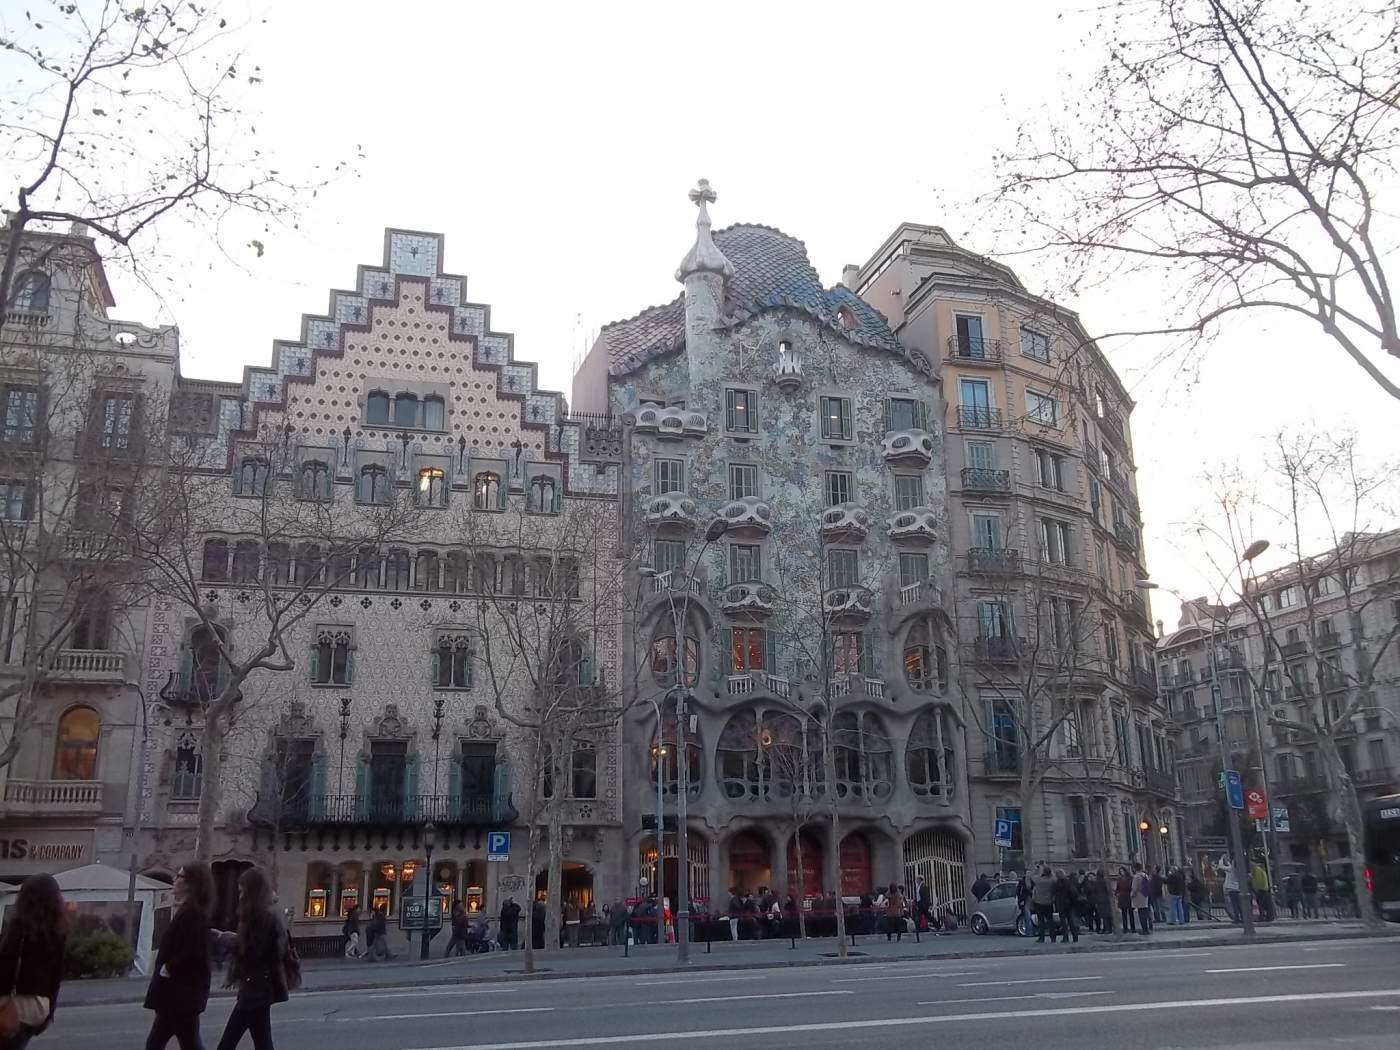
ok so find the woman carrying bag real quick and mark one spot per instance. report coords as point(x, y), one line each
point(258, 963)
point(31, 961)
point(179, 989)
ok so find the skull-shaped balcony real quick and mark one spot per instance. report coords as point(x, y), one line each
point(915, 525)
point(787, 370)
point(845, 521)
point(672, 510)
point(747, 515)
point(671, 423)
point(748, 599)
point(913, 446)
point(848, 604)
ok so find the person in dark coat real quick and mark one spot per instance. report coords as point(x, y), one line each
point(1065, 893)
point(377, 936)
point(31, 954)
point(537, 917)
point(1123, 890)
point(257, 966)
point(460, 928)
point(981, 887)
point(179, 988)
point(510, 924)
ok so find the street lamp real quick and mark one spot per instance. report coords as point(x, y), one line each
point(429, 834)
point(1143, 828)
point(1164, 831)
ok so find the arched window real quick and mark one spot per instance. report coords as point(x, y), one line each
point(396, 569)
point(188, 778)
point(252, 476)
point(583, 770)
point(434, 413)
point(543, 498)
point(279, 563)
point(215, 564)
point(486, 491)
point(456, 573)
point(452, 662)
point(863, 757)
point(92, 624)
point(330, 657)
point(377, 407)
point(789, 766)
point(315, 480)
point(75, 757)
point(663, 659)
point(310, 563)
point(367, 568)
point(927, 741)
point(405, 410)
point(425, 576)
point(740, 758)
point(374, 484)
point(432, 487)
point(246, 558)
point(205, 666)
point(31, 292)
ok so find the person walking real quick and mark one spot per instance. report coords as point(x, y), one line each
point(510, 924)
point(1259, 877)
point(1142, 899)
point(354, 939)
point(460, 928)
point(1067, 901)
point(1309, 886)
point(617, 923)
point(572, 922)
point(923, 906)
point(980, 888)
point(31, 958)
point(1023, 900)
point(377, 936)
point(895, 909)
point(179, 988)
point(258, 964)
point(1292, 896)
point(1043, 905)
point(1232, 890)
point(1123, 891)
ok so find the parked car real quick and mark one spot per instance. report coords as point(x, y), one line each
point(998, 911)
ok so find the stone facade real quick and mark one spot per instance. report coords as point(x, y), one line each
point(1045, 543)
point(790, 413)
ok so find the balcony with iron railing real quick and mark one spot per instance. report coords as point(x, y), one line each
point(1125, 534)
point(993, 561)
point(1112, 428)
point(1001, 762)
point(1136, 604)
point(979, 417)
point(1329, 639)
point(1297, 648)
point(53, 798)
point(1005, 650)
point(474, 811)
point(1380, 776)
point(975, 350)
point(1144, 680)
point(979, 479)
point(1313, 784)
point(1156, 781)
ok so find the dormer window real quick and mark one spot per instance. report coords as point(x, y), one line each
point(31, 293)
point(845, 320)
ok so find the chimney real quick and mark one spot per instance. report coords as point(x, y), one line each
point(850, 275)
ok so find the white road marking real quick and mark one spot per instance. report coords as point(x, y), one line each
point(444, 1013)
point(1385, 1008)
point(1029, 980)
point(735, 998)
point(905, 976)
point(694, 980)
point(910, 1022)
point(1011, 998)
point(421, 993)
point(1266, 969)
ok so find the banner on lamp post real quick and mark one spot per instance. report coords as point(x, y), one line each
point(1256, 804)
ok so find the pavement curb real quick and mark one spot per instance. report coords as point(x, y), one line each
point(138, 989)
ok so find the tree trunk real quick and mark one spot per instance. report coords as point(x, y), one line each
point(801, 870)
point(527, 914)
point(1356, 840)
point(829, 761)
point(1027, 788)
point(209, 792)
point(554, 904)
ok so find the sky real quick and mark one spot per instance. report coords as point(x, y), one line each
point(553, 146)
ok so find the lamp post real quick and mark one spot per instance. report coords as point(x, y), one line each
point(429, 833)
point(1143, 828)
point(1163, 831)
point(344, 732)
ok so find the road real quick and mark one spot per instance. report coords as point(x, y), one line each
point(1282, 997)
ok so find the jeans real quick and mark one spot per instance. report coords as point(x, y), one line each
point(255, 1020)
point(1175, 912)
point(1144, 921)
point(1045, 920)
point(182, 1027)
point(1265, 899)
point(1127, 922)
point(1234, 897)
point(1068, 928)
point(1310, 905)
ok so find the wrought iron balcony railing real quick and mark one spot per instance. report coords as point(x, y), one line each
point(979, 417)
point(979, 479)
point(357, 810)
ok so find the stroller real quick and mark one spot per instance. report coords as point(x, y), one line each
point(479, 938)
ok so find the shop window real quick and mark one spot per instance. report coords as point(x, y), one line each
point(75, 757)
point(318, 887)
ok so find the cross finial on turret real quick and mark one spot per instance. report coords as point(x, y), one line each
point(702, 194)
point(704, 256)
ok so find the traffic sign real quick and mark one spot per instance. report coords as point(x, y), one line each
point(1234, 788)
point(498, 845)
point(1001, 833)
point(1257, 805)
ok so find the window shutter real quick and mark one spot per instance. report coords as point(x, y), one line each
point(770, 651)
point(327, 483)
point(888, 412)
point(870, 655)
point(454, 787)
point(470, 661)
point(585, 667)
point(846, 431)
point(362, 788)
point(410, 787)
point(358, 477)
point(727, 659)
point(315, 805)
point(501, 492)
point(435, 665)
point(921, 415)
point(315, 662)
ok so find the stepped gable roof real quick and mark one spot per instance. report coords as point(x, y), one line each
point(771, 271)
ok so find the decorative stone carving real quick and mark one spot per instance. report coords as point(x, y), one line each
point(752, 598)
point(849, 603)
point(787, 371)
point(481, 726)
point(919, 524)
point(673, 508)
point(296, 722)
point(908, 446)
point(748, 513)
point(672, 423)
point(390, 726)
point(845, 521)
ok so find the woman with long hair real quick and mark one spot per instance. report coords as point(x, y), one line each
point(179, 989)
point(31, 961)
point(257, 965)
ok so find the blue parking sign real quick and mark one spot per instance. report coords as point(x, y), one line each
point(1234, 788)
point(498, 845)
point(1001, 832)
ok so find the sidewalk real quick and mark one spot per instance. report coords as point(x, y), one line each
point(351, 975)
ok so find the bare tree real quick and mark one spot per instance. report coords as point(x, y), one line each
point(94, 81)
point(1232, 152)
point(1326, 492)
point(76, 443)
point(794, 767)
point(249, 558)
point(554, 588)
